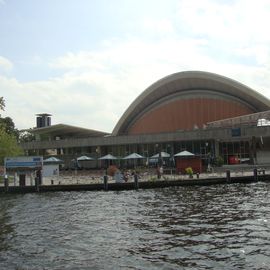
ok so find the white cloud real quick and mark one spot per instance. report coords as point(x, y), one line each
point(159, 27)
point(97, 86)
point(82, 59)
point(240, 19)
point(228, 25)
point(5, 64)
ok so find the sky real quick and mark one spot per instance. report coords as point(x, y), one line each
point(86, 61)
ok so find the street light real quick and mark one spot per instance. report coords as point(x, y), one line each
point(208, 156)
point(159, 155)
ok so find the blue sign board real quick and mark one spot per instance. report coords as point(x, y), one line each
point(35, 162)
point(236, 132)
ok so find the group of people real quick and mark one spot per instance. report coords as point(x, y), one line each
point(159, 171)
point(121, 177)
point(124, 176)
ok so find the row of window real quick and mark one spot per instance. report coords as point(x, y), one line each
point(205, 149)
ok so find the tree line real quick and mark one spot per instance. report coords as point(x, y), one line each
point(9, 136)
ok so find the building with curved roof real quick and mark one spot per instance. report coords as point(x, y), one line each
point(204, 113)
point(188, 100)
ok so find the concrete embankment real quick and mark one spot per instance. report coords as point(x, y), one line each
point(132, 185)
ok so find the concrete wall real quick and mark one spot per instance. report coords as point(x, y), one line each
point(50, 170)
point(220, 134)
point(263, 157)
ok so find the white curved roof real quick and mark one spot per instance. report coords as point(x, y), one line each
point(191, 80)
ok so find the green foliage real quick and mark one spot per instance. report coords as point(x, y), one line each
point(189, 171)
point(2, 104)
point(2, 178)
point(153, 179)
point(8, 145)
point(8, 125)
point(26, 136)
point(219, 161)
point(8, 136)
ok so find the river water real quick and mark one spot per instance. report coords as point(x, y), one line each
point(207, 227)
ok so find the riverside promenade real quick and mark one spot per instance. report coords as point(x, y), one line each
point(97, 182)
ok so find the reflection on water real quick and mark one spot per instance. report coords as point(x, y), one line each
point(215, 227)
point(5, 227)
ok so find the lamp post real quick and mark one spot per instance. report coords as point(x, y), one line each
point(208, 155)
point(98, 156)
point(170, 151)
point(159, 155)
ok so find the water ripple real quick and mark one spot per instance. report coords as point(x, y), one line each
point(215, 227)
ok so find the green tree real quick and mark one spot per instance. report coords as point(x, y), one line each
point(219, 161)
point(25, 136)
point(8, 136)
point(8, 125)
point(2, 104)
point(8, 146)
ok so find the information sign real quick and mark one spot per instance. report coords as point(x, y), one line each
point(31, 162)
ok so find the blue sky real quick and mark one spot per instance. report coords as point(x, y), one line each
point(85, 61)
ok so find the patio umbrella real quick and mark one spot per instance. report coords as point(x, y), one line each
point(53, 160)
point(83, 158)
point(134, 156)
point(158, 158)
point(161, 154)
point(184, 154)
point(108, 157)
point(82, 161)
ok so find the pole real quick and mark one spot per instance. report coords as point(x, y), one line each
point(37, 182)
point(136, 182)
point(228, 176)
point(255, 173)
point(105, 180)
point(6, 183)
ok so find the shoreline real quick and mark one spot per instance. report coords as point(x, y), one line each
point(141, 184)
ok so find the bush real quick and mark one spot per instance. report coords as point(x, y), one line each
point(189, 171)
point(219, 161)
point(111, 170)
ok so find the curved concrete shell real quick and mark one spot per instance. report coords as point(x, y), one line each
point(188, 100)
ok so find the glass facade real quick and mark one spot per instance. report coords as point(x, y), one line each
point(207, 150)
point(239, 150)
